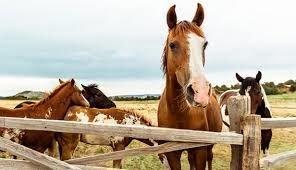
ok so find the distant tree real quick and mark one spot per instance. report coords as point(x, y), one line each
point(292, 88)
point(290, 82)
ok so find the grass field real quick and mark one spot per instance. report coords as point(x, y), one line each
point(283, 139)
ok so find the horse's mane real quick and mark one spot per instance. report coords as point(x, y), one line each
point(142, 117)
point(267, 105)
point(93, 86)
point(51, 94)
point(183, 27)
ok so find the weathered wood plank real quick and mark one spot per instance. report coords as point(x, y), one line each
point(252, 140)
point(27, 165)
point(271, 123)
point(237, 107)
point(166, 147)
point(34, 156)
point(272, 160)
point(156, 133)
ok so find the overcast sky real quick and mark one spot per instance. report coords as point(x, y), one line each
point(118, 44)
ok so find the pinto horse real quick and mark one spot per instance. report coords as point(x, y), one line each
point(68, 141)
point(259, 104)
point(54, 107)
point(188, 101)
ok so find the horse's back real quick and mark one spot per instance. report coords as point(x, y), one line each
point(226, 95)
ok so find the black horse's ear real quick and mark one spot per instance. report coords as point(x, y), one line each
point(239, 78)
point(61, 81)
point(83, 86)
point(172, 17)
point(199, 15)
point(258, 76)
point(72, 82)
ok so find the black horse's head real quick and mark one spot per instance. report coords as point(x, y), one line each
point(251, 86)
point(96, 97)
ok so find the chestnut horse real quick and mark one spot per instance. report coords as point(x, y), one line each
point(54, 107)
point(96, 99)
point(259, 104)
point(187, 101)
point(68, 141)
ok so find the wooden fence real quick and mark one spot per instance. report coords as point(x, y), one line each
point(245, 146)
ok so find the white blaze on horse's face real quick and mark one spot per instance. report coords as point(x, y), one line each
point(198, 87)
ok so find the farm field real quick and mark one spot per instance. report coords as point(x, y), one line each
point(283, 139)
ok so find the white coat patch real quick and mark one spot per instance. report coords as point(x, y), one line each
point(82, 117)
point(109, 140)
point(48, 114)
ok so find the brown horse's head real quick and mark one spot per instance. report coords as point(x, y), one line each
point(76, 94)
point(251, 86)
point(184, 57)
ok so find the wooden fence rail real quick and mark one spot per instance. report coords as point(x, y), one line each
point(166, 147)
point(156, 133)
point(271, 123)
point(272, 160)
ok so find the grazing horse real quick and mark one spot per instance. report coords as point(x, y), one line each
point(53, 107)
point(68, 141)
point(259, 104)
point(187, 101)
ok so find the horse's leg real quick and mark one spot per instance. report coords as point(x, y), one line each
point(118, 147)
point(174, 159)
point(67, 144)
point(210, 157)
point(191, 159)
point(200, 157)
point(52, 149)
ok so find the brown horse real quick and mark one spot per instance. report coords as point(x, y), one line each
point(187, 101)
point(54, 107)
point(68, 142)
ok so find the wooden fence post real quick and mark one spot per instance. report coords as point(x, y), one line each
point(252, 140)
point(237, 106)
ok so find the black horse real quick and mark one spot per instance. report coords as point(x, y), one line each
point(259, 103)
point(95, 97)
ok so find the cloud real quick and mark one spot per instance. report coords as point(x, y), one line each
point(124, 39)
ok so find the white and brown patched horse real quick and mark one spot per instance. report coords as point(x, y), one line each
point(259, 104)
point(188, 101)
point(68, 141)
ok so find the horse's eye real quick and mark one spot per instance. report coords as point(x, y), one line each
point(172, 45)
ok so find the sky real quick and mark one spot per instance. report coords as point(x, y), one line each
point(118, 44)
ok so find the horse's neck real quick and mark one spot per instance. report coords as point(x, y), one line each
point(176, 101)
point(56, 106)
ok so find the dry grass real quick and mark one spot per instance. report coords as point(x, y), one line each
point(283, 139)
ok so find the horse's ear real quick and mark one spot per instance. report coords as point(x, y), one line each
point(172, 17)
point(61, 81)
point(83, 86)
point(72, 82)
point(258, 76)
point(239, 78)
point(199, 15)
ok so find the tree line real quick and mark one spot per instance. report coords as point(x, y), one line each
point(270, 87)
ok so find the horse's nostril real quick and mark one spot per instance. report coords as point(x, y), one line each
point(190, 90)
